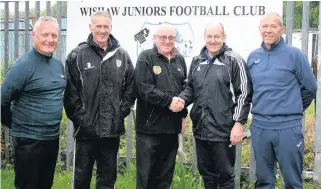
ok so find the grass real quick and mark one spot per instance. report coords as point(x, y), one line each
point(62, 180)
point(183, 179)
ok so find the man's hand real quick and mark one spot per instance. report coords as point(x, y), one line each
point(183, 125)
point(177, 104)
point(236, 133)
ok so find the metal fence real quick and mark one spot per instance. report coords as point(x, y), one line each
point(15, 37)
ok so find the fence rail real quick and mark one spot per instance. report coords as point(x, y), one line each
point(15, 34)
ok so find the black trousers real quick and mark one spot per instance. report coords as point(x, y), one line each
point(215, 161)
point(104, 152)
point(155, 160)
point(34, 162)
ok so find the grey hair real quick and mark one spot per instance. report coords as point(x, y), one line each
point(100, 13)
point(215, 23)
point(45, 19)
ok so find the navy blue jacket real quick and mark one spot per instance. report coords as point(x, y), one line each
point(32, 96)
point(283, 85)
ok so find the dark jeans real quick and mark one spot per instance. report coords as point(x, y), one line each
point(34, 162)
point(284, 146)
point(215, 161)
point(155, 160)
point(104, 152)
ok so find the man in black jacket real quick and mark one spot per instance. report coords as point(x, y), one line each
point(219, 87)
point(98, 96)
point(160, 75)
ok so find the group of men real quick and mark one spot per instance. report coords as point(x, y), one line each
point(98, 86)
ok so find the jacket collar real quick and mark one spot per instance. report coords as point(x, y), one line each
point(40, 54)
point(274, 45)
point(112, 43)
point(204, 53)
point(173, 53)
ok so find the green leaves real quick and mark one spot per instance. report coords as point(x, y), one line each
point(298, 11)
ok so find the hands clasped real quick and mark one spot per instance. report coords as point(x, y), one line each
point(177, 104)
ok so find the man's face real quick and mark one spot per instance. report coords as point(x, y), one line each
point(271, 29)
point(165, 40)
point(45, 38)
point(214, 39)
point(101, 29)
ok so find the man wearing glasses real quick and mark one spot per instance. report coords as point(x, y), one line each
point(160, 76)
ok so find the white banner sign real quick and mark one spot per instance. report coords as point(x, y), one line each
point(134, 22)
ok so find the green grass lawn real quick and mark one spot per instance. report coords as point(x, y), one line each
point(183, 179)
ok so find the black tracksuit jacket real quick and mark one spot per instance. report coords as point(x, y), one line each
point(220, 90)
point(158, 80)
point(100, 89)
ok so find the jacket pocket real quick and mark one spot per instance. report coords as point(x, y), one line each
point(149, 117)
point(197, 115)
point(221, 119)
point(81, 123)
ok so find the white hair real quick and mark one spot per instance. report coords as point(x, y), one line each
point(164, 26)
point(215, 24)
point(100, 13)
point(45, 19)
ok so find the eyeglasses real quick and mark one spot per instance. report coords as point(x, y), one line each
point(164, 38)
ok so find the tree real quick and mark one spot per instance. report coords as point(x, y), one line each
point(298, 11)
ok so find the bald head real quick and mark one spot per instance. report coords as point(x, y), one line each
point(215, 26)
point(271, 29)
point(272, 16)
point(214, 36)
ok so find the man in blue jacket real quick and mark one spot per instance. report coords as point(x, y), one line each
point(31, 104)
point(283, 87)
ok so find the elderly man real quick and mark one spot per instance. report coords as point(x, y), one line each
point(219, 87)
point(160, 76)
point(283, 87)
point(31, 104)
point(98, 96)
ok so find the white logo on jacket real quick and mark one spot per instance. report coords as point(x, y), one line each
point(118, 63)
point(89, 66)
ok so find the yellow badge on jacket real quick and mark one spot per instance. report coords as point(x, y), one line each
point(157, 70)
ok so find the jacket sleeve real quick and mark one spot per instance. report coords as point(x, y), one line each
point(145, 86)
point(242, 88)
point(187, 94)
point(72, 101)
point(305, 77)
point(11, 88)
point(128, 95)
point(184, 112)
